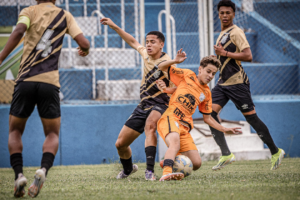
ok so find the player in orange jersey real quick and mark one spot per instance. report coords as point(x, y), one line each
point(176, 122)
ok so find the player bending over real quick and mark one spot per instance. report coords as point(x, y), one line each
point(231, 48)
point(177, 121)
point(153, 102)
point(38, 83)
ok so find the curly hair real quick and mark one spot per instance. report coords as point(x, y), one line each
point(210, 60)
point(227, 3)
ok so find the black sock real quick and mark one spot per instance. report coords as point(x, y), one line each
point(47, 161)
point(150, 157)
point(262, 131)
point(219, 137)
point(16, 161)
point(127, 165)
point(168, 162)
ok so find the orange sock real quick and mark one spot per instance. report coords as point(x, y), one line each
point(167, 170)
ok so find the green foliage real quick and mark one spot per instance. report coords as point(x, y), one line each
point(240, 180)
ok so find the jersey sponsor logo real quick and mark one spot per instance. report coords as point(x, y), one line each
point(202, 97)
point(206, 105)
point(179, 113)
point(45, 44)
point(176, 71)
point(188, 101)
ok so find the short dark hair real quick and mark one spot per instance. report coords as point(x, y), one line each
point(210, 60)
point(227, 3)
point(158, 34)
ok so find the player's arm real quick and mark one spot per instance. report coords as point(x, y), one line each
point(180, 57)
point(213, 123)
point(84, 45)
point(244, 55)
point(163, 87)
point(129, 39)
point(13, 40)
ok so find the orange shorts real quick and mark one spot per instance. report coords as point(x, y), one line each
point(168, 124)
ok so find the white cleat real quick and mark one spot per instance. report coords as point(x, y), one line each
point(36, 186)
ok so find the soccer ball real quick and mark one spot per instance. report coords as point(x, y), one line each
point(183, 164)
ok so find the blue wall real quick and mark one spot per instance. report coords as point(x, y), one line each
point(88, 132)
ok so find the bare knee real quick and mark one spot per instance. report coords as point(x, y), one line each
point(120, 146)
point(197, 164)
point(150, 127)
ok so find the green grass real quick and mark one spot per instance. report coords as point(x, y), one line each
point(241, 180)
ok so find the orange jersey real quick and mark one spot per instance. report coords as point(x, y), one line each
point(188, 95)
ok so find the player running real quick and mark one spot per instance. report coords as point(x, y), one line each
point(231, 48)
point(153, 102)
point(177, 121)
point(37, 83)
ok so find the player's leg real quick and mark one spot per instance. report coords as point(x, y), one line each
point(151, 141)
point(168, 129)
point(264, 134)
point(22, 105)
point(125, 138)
point(15, 146)
point(188, 148)
point(48, 105)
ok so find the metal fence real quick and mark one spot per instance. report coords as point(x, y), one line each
point(112, 71)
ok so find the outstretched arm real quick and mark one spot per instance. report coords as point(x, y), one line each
point(245, 55)
point(13, 41)
point(212, 122)
point(129, 39)
point(180, 57)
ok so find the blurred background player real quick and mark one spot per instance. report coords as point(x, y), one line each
point(153, 102)
point(37, 83)
point(176, 123)
point(231, 48)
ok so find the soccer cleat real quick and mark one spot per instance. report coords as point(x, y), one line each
point(36, 186)
point(20, 183)
point(277, 158)
point(122, 175)
point(223, 161)
point(149, 175)
point(172, 176)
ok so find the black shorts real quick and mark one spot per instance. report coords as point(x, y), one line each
point(28, 94)
point(137, 119)
point(239, 94)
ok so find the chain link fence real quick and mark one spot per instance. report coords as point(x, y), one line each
point(273, 31)
point(111, 73)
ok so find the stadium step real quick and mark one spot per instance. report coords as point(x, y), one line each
point(246, 146)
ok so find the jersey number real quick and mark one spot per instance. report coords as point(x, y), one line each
point(45, 43)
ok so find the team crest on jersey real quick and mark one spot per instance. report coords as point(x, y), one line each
point(156, 74)
point(202, 97)
point(224, 38)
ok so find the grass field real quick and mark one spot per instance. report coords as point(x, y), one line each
point(241, 180)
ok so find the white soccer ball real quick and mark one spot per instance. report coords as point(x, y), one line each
point(183, 164)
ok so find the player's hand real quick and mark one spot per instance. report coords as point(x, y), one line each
point(161, 85)
point(219, 50)
point(82, 53)
point(180, 57)
point(235, 130)
point(107, 21)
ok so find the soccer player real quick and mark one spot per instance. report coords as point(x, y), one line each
point(152, 106)
point(37, 83)
point(231, 48)
point(177, 121)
